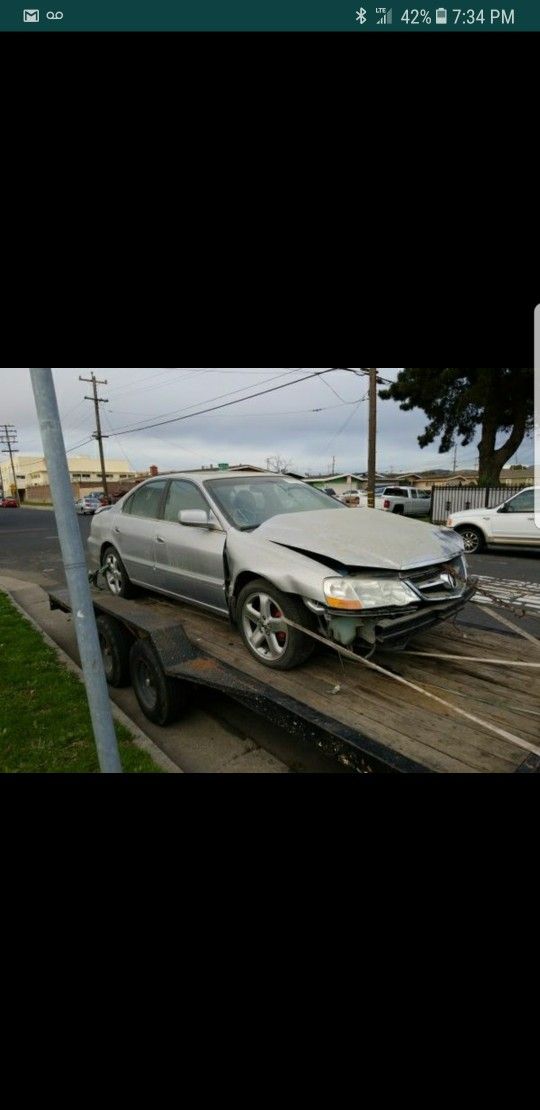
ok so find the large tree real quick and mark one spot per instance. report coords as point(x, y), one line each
point(458, 401)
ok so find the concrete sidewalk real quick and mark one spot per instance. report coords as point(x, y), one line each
point(198, 743)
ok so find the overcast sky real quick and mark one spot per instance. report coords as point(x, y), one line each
point(314, 425)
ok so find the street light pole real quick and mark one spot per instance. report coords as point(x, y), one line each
point(75, 569)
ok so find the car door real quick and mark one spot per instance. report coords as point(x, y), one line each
point(133, 531)
point(189, 558)
point(514, 521)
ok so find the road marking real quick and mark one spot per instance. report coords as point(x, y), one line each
point(509, 589)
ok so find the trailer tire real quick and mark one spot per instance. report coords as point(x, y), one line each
point(285, 649)
point(115, 643)
point(161, 699)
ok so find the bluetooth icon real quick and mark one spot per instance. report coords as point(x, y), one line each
point(361, 16)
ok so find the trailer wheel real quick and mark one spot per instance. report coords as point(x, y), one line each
point(261, 608)
point(115, 645)
point(161, 699)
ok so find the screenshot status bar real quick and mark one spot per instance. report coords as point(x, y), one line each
point(262, 15)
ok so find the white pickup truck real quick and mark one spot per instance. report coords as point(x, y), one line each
point(404, 500)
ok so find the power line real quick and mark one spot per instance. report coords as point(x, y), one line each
point(227, 404)
point(344, 426)
point(230, 393)
point(76, 445)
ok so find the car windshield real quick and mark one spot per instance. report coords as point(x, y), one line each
point(248, 502)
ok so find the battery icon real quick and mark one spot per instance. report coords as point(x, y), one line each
point(441, 15)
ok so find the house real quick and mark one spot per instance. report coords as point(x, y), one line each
point(425, 479)
point(341, 483)
point(520, 476)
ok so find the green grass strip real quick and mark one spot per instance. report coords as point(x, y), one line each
point(44, 718)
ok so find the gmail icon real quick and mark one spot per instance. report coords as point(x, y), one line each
point(31, 15)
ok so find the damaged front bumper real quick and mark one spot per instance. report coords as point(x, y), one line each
point(389, 626)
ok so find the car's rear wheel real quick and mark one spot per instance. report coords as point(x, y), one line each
point(115, 574)
point(472, 538)
point(261, 611)
point(398, 510)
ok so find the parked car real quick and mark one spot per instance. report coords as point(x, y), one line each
point(9, 503)
point(87, 505)
point(351, 498)
point(507, 524)
point(265, 550)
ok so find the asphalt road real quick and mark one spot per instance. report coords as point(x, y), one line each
point(29, 549)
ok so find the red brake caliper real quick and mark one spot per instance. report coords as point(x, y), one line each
point(281, 637)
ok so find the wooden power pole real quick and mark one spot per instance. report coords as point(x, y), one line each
point(372, 437)
point(8, 435)
point(98, 434)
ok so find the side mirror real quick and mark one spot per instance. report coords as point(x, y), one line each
point(198, 518)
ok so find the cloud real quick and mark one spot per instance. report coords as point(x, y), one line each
point(318, 424)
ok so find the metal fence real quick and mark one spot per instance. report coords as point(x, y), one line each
point(452, 499)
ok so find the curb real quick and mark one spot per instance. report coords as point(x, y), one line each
point(140, 739)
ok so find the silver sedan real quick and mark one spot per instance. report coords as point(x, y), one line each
point(266, 550)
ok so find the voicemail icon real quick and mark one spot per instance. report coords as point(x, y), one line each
point(31, 15)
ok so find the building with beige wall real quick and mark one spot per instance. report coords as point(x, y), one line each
point(84, 472)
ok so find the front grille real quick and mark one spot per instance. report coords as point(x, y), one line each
point(439, 582)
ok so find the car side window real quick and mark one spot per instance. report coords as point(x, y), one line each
point(394, 491)
point(413, 493)
point(146, 500)
point(183, 495)
point(523, 503)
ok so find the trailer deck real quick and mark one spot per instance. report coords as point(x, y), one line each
point(365, 719)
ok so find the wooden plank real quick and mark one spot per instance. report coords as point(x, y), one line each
point(380, 714)
point(464, 677)
point(376, 706)
point(483, 702)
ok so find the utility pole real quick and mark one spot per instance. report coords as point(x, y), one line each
point(333, 464)
point(455, 457)
point(73, 556)
point(98, 433)
point(372, 438)
point(8, 435)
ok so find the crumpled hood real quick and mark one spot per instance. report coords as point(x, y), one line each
point(363, 537)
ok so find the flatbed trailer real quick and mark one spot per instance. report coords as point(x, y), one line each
point(363, 718)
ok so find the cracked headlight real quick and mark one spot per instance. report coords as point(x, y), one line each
point(366, 593)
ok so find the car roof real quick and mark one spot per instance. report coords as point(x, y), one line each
point(199, 474)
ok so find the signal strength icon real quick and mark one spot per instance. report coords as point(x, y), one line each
point(385, 14)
